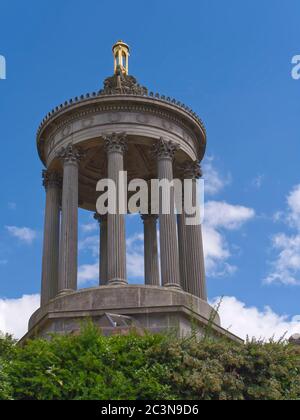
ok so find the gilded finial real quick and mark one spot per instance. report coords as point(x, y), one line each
point(121, 52)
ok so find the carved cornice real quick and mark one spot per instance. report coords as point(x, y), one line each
point(51, 179)
point(165, 149)
point(101, 94)
point(71, 154)
point(116, 142)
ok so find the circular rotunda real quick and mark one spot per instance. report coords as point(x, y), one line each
point(122, 127)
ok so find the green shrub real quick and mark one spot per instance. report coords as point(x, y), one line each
point(7, 349)
point(5, 385)
point(90, 366)
point(222, 370)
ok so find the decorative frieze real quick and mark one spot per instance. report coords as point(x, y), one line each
point(153, 119)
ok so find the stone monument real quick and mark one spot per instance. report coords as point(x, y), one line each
point(295, 339)
point(95, 136)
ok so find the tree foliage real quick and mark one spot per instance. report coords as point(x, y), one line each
point(92, 367)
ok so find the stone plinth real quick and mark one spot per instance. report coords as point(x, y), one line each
point(155, 309)
point(295, 339)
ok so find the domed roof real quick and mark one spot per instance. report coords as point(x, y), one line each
point(120, 43)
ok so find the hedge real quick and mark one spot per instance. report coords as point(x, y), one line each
point(90, 366)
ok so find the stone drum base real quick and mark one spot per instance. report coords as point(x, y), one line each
point(116, 310)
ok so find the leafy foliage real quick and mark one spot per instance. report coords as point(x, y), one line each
point(7, 349)
point(90, 366)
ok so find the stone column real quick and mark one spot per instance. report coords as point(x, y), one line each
point(52, 183)
point(103, 249)
point(116, 145)
point(182, 246)
point(70, 157)
point(165, 151)
point(196, 281)
point(151, 250)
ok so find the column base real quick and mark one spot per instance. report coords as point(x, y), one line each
point(65, 292)
point(117, 282)
point(153, 284)
point(173, 286)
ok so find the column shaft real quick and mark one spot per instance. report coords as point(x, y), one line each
point(196, 283)
point(183, 251)
point(103, 253)
point(49, 290)
point(168, 230)
point(116, 244)
point(102, 220)
point(195, 262)
point(69, 225)
point(151, 250)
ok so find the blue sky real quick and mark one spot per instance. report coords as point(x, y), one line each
point(231, 62)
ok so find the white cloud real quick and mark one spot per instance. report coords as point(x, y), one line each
point(242, 321)
point(285, 268)
point(214, 182)
point(24, 234)
point(219, 217)
point(135, 241)
point(135, 265)
point(89, 227)
point(88, 274)
point(223, 215)
point(135, 256)
point(90, 244)
point(15, 314)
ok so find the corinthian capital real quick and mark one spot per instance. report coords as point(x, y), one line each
point(192, 170)
point(100, 219)
point(71, 154)
point(165, 149)
point(51, 179)
point(146, 217)
point(116, 142)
